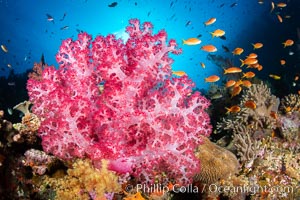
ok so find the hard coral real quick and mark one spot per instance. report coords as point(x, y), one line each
point(217, 163)
point(143, 120)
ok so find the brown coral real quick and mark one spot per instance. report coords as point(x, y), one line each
point(217, 163)
point(27, 130)
point(290, 103)
point(254, 119)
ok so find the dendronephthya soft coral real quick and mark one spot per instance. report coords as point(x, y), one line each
point(144, 121)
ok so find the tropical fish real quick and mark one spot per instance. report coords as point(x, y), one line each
point(64, 28)
point(288, 43)
point(247, 83)
point(212, 79)
point(260, 67)
point(230, 83)
point(188, 23)
point(218, 33)
point(226, 49)
point(232, 5)
point(281, 5)
point(209, 48)
point(282, 62)
point(248, 61)
point(9, 111)
point(210, 21)
point(4, 48)
point(248, 75)
point(275, 77)
point(191, 41)
point(250, 104)
point(231, 70)
point(113, 4)
point(50, 18)
point(279, 18)
point(257, 45)
point(202, 65)
point(238, 83)
point(252, 55)
point(179, 73)
point(236, 91)
point(260, 1)
point(216, 96)
point(296, 78)
point(272, 6)
point(238, 51)
point(233, 109)
point(65, 14)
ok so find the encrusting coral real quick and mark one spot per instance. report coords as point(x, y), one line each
point(27, 129)
point(84, 182)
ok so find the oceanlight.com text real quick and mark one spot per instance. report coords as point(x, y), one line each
point(211, 188)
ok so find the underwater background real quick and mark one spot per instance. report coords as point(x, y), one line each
point(33, 31)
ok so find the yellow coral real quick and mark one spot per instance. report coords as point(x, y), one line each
point(83, 181)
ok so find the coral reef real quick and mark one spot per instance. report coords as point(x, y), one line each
point(290, 103)
point(39, 161)
point(144, 120)
point(84, 182)
point(254, 119)
point(217, 163)
point(27, 129)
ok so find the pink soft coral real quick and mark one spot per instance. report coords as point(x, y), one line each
point(145, 121)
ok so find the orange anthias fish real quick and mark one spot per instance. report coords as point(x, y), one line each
point(238, 83)
point(230, 83)
point(238, 51)
point(247, 83)
point(209, 48)
point(179, 73)
point(248, 75)
point(279, 18)
point(248, 61)
point(218, 33)
point(236, 91)
point(231, 70)
point(212, 79)
point(281, 5)
point(282, 62)
point(257, 45)
point(250, 104)
point(253, 66)
point(252, 55)
point(288, 43)
point(210, 21)
point(191, 41)
point(260, 67)
point(233, 109)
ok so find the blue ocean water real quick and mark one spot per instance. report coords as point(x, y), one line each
point(28, 32)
